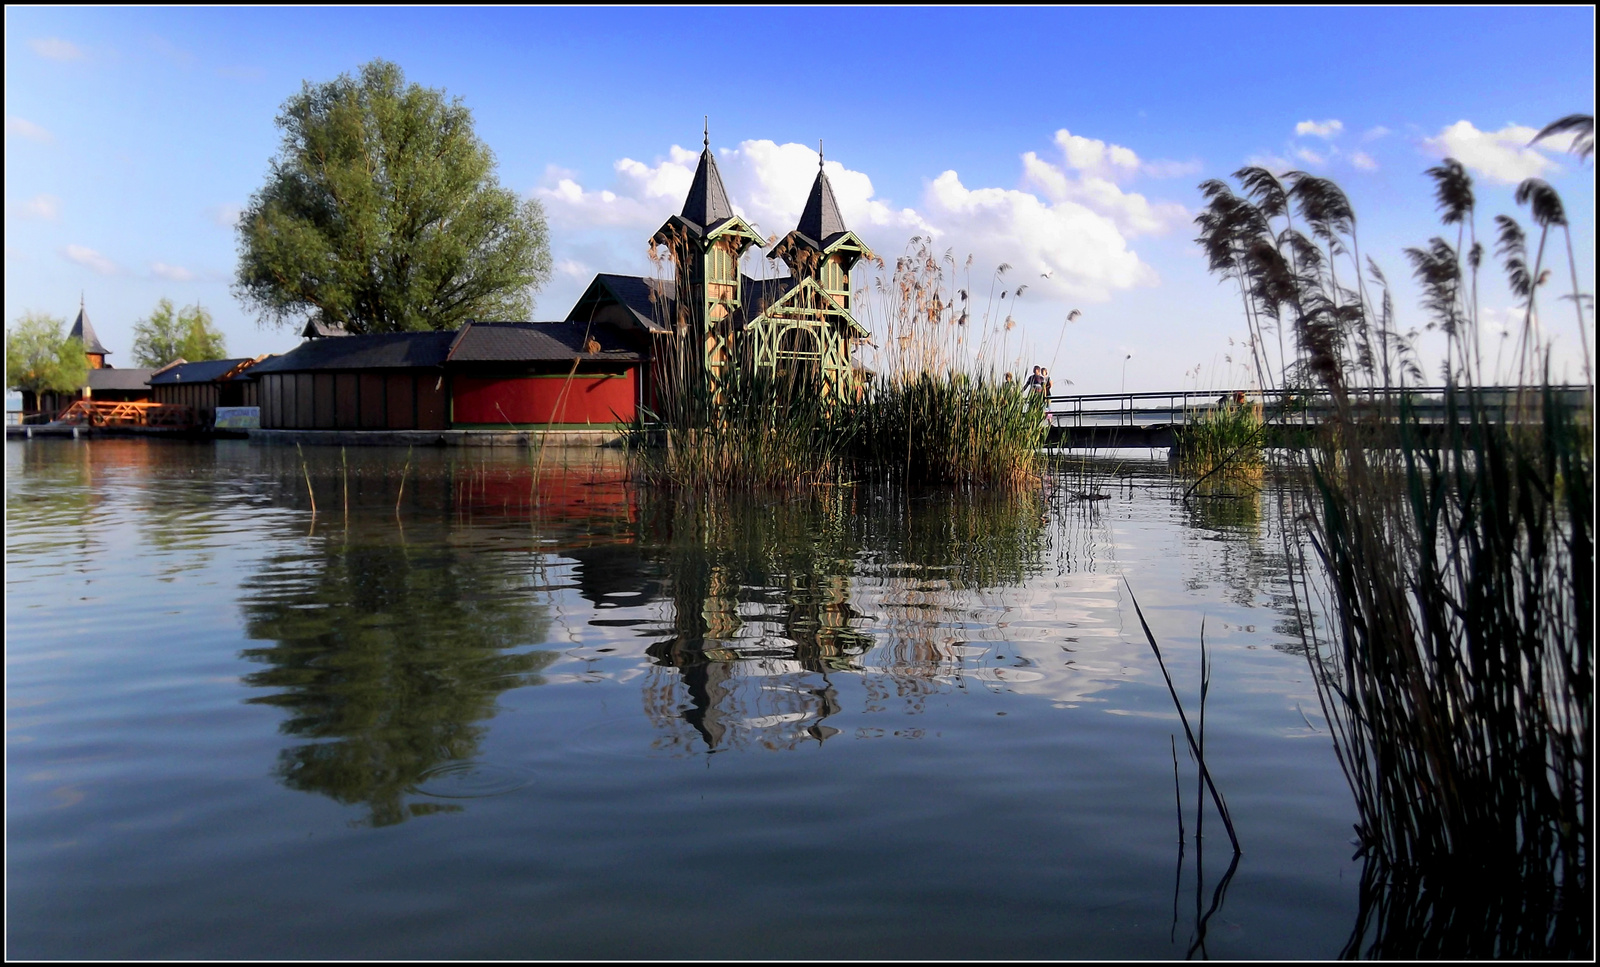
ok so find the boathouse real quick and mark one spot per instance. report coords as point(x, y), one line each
point(486, 375)
point(206, 385)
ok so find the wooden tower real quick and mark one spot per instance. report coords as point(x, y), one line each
point(810, 329)
point(705, 243)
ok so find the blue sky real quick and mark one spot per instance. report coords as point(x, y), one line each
point(1069, 141)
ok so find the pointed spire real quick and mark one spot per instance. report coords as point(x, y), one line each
point(82, 330)
point(821, 221)
point(707, 203)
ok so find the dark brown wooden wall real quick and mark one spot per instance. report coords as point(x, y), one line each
point(199, 397)
point(355, 400)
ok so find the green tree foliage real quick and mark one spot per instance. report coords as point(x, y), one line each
point(169, 334)
point(382, 213)
point(40, 359)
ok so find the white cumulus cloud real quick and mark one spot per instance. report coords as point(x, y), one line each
point(769, 183)
point(1502, 155)
point(172, 273)
point(54, 48)
point(47, 207)
point(1327, 130)
point(27, 129)
point(1374, 133)
point(1132, 213)
point(1096, 157)
point(89, 258)
point(1363, 161)
point(1082, 252)
point(1066, 229)
point(645, 195)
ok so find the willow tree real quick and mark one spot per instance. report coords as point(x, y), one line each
point(382, 213)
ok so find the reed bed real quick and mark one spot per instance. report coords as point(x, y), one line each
point(1225, 442)
point(952, 429)
point(1456, 571)
point(762, 434)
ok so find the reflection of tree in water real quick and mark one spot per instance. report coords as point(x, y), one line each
point(764, 612)
point(388, 658)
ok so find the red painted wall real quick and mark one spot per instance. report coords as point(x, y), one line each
point(587, 399)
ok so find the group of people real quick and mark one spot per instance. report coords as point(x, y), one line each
point(1037, 382)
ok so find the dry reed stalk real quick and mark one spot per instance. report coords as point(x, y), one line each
point(307, 471)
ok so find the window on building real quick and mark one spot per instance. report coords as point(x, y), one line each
point(721, 266)
point(834, 278)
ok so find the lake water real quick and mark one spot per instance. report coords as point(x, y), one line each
point(517, 708)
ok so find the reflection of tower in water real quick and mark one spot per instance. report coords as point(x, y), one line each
point(762, 616)
point(770, 599)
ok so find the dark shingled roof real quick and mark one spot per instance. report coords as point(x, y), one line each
point(485, 342)
point(756, 294)
point(316, 329)
point(82, 330)
point(634, 292)
point(821, 221)
point(707, 203)
point(119, 379)
point(206, 371)
point(394, 350)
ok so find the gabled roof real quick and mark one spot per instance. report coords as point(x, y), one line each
point(649, 301)
point(317, 329)
point(506, 342)
point(82, 330)
point(206, 371)
point(119, 379)
point(707, 203)
point(784, 306)
point(392, 350)
point(821, 221)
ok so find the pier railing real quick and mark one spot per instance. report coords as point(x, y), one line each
point(1285, 407)
point(91, 413)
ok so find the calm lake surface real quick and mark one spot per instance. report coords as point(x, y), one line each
point(483, 717)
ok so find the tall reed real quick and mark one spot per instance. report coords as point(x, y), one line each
point(1224, 442)
point(1457, 563)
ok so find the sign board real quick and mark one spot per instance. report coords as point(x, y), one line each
point(238, 418)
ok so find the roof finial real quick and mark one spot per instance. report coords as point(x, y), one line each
point(819, 154)
point(80, 299)
point(707, 141)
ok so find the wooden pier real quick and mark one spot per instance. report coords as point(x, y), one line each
point(1152, 420)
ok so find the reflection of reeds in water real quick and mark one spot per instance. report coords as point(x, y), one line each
point(1458, 564)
